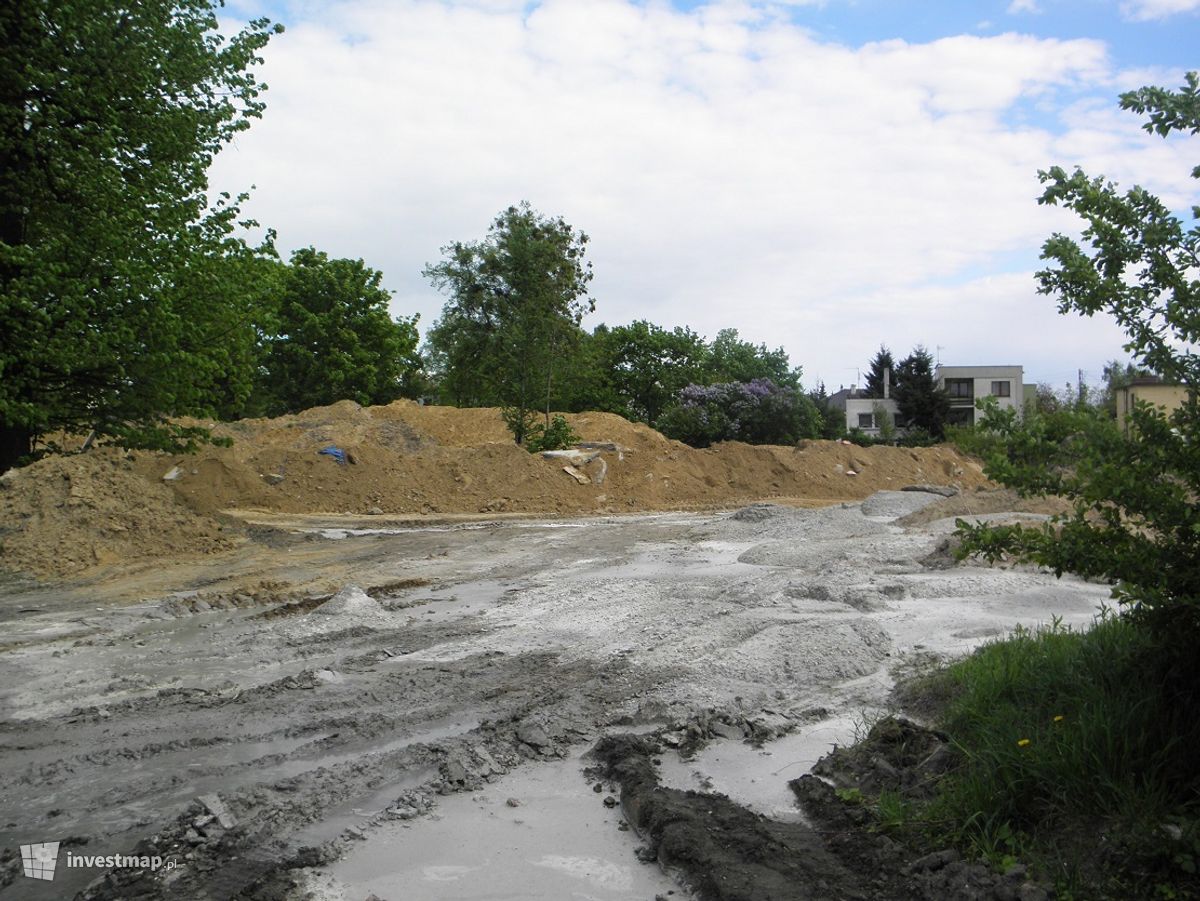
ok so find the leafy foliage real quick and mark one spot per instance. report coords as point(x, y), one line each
point(649, 366)
point(730, 359)
point(516, 301)
point(122, 289)
point(336, 339)
point(555, 436)
point(757, 412)
point(1136, 521)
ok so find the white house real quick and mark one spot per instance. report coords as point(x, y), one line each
point(967, 384)
point(866, 413)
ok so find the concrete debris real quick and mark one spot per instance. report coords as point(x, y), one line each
point(580, 477)
point(217, 808)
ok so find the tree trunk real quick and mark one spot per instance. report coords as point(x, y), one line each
point(15, 443)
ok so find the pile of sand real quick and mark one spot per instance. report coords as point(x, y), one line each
point(66, 514)
point(983, 501)
point(63, 515)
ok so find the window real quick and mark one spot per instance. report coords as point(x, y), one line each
point(1002, 389)
point(960, 388)
point(866, 420)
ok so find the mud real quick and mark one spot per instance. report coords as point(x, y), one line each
point(476, 663)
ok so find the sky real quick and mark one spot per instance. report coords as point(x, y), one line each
point(825, 176)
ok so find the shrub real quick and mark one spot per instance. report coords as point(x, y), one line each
point(757, 412)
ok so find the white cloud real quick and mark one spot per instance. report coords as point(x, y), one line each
point(1148, 10)
point(1023, 6)
point(730, 168)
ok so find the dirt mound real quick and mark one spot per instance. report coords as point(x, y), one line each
point(67, 514)
point(982, 501)
point(406, 459)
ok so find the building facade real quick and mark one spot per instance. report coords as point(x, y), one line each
point(967, 384)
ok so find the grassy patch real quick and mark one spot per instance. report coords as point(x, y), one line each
point(1078, 752)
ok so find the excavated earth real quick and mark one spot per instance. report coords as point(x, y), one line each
point(353, 706)
point(427, 664)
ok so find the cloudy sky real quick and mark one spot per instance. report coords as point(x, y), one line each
point(824, 176)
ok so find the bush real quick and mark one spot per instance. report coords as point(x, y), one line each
point(556, 436)
point(757, 412)
point(1063, 733)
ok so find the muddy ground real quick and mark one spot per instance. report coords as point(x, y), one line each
point(403, 712)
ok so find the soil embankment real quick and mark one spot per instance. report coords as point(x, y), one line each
point(63, 516)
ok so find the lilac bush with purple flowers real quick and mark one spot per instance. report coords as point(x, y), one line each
point(757, 412)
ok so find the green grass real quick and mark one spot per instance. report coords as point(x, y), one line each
point(1079, 752)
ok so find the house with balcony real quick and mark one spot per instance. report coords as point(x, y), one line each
point(967, 384)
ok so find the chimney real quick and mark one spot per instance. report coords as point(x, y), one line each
point(887, 382)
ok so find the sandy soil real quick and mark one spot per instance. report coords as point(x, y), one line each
point(276, 733)
point(107, 510)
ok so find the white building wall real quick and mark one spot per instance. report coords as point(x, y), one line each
point(983, 380)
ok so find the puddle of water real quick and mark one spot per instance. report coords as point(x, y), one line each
point(560, 843)
point(758, 777)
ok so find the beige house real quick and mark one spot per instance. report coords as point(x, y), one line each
point(1153, 391)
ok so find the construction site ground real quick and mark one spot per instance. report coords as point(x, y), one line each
point(293, 678)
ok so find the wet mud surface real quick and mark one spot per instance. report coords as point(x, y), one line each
point(275, 734)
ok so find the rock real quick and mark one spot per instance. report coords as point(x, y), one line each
point(455, 772)
point(610, 802)
point(943, 490)
point(933, 862)
point(580, 477)
point(939, 761)
point(218, 809)
point(272, 478)
point(374, 511)
point(534, 736)
point(726, 730)
point(173, 474)
point(513, 802)
point(597, 788)
point(1031, 891)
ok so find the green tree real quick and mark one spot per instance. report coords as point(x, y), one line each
point(516, 301)
point(832, 422)
point(1136, 520)
point(879, 363)
point(921, 403)
point(649, 366)
point(109, 117)
point(336, 339)
point(730, 359)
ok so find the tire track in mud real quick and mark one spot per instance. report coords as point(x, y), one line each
point(310, 728)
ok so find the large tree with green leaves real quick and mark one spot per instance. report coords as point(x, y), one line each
point(109, 117)
point(1136, 518)
point(516, 300)
point(336, 339)
point(649, 366)
point(731, 359)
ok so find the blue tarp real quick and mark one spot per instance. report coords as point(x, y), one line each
point(336, 452)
